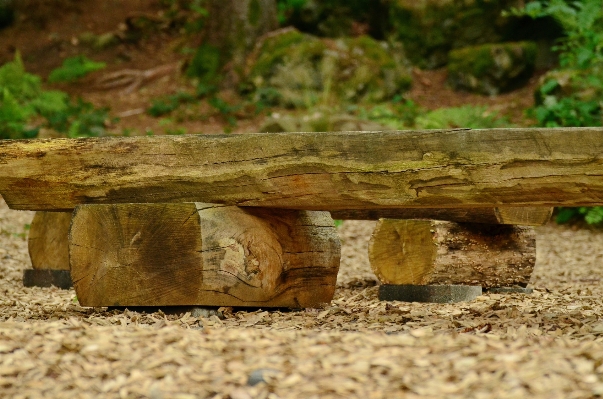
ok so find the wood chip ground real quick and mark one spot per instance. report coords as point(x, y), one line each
point(545, 345)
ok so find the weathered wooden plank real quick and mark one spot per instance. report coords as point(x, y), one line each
point(314, 171)
point(47, 241)
point(422, 252)
point(525, 216)
point(202, 254)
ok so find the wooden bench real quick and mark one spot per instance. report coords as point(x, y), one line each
point(378, 173)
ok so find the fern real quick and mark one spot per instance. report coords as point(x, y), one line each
point(74, 68)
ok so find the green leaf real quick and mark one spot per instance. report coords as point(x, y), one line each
point(74, 68)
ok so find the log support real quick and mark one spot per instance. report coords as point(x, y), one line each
point(421, 252)
point(49, 251)
point(201, 254)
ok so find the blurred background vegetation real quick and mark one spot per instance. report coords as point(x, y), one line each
point(84, 68)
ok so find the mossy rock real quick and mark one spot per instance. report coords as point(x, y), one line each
point(429, 29)
point(491, 68)
point(300, 70)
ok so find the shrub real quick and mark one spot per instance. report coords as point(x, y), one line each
point(25, 107)
point(572, 96)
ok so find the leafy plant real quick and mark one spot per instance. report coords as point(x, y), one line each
point(467, 116)
point(74, 68)
point(398, 114)
point(225, 109)
point(25, 107)
point(165, 105)
point(581, 61)
point(287, 7)
point(591, 215)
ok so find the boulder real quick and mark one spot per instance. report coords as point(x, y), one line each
point(292, 69)
point(429, 29)
point(491, 68)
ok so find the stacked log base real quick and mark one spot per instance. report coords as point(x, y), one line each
point(201, 254)
point(424, 253)
point(49, 251)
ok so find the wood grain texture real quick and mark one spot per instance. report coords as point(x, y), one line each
point(526, 216)
point(200, 254)
point(48, 240)
point(314, 171)
point(422, 252)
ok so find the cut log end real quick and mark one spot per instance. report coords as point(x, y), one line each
point(199, 254)
point(47, 242)
point(420, 252)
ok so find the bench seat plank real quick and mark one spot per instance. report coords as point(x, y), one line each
point(311, 171)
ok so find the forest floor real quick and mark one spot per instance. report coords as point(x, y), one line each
point(548, 344)
point(545, 345)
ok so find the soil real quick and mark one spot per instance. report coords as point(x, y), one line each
point(545, 345)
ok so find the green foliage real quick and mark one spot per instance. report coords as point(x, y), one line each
point(286, 8)
point(189, 15)
point(226, 110)
point(467, 116)
point(74, 68)
point(592, 215)
point(205, 66)
point(25, 108)
point(399, 114)
point(581, 60)
point(566, 111)
point(165, 105)
point(582, 22)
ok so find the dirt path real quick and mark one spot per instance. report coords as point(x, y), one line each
point(545, 345)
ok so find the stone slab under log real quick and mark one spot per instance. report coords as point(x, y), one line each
point(523, 216)
point(48, 240)
point(509, 290)
point(421, 252)
point(429, 293)
point(454, 168)
point(47, 278)
point(202, 254)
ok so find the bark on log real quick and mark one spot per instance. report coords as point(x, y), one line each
point(314, 171)
point(524, 216)
point(200, 254)
point(48, 240)
point(424, 252)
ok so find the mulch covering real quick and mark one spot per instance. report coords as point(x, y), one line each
point(545, 345)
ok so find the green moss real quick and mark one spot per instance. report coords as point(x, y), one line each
point(273, 51)
point(254, 12)
point(306, 70)
point(476, 60)
point(491, 68)
point(205, 65)
point(429, 29)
